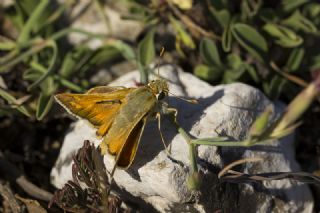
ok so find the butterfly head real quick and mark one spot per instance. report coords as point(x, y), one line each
point(159, 88)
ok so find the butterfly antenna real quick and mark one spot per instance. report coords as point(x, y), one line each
point(158, 65)
point(192, 101)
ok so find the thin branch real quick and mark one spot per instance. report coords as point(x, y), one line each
point(194, 29)
point(304, 177)
point(8, 198)
point(292, 78)
point(238, 162)
point(15, 176)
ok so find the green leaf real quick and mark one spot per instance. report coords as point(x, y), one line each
point(33, 21)
point(125, 49)
point(32, 74)
point(14, 57)
point(250, 8)
point(48, 87)
point(298, 22)
point(208, 73)
point(69, 85)
point(49, 71)
point(276, 86)
point(146, 49)
point(182, 35)
point(221, 16)
point(82, 59)
point(7, 45)
point(289, 5)
point(227, 37)
point(297, 107)
point(261, 123)
point(252, 72)
point(102, 55)
point(268, 15)
point(295, 59)
point(44, 105)
point(194, 181)
point(184, 4)
point(283, 36)
point(231, 75)
point(72, 60)
point(146, 54)
point(209, 52)
point(312, 11)
point(234, 61)
point(26, 6)
point(13, 101)
point(236, 68)
point(251, 40)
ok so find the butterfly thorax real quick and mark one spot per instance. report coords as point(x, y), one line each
point(159, 88)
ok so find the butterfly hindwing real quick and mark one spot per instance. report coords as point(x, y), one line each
point(129, 150)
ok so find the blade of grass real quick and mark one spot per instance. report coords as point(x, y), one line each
point(44, 105)
point(7, 64)
point(12, 100)
point(52, 44)
point(26, 31)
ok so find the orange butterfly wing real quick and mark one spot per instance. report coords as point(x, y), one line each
point(129, 149)
point(99, 105)
point(124, 135)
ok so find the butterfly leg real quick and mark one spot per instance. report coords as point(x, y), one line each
point(168, 150)
point(166, 110)
point(173, 112)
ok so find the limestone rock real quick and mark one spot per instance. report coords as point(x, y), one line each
point(156, 179)
point(85, 15)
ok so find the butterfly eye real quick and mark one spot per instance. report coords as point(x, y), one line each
point(161, 96)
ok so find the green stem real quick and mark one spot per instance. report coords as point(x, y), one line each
point(184, 134)
point(192, 147)
point(143, 73)
point(193, 159)
point(219, 143)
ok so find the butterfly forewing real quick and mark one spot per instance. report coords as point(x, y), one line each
point(107, 89)
point(99, 109)
point(135, 109)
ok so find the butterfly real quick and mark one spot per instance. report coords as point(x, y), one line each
point(119, 114)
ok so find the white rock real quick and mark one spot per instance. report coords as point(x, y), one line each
point(226, 109)
point(6, 3)
point(85, 15)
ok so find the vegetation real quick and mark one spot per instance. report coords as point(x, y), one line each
point(272, 45)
